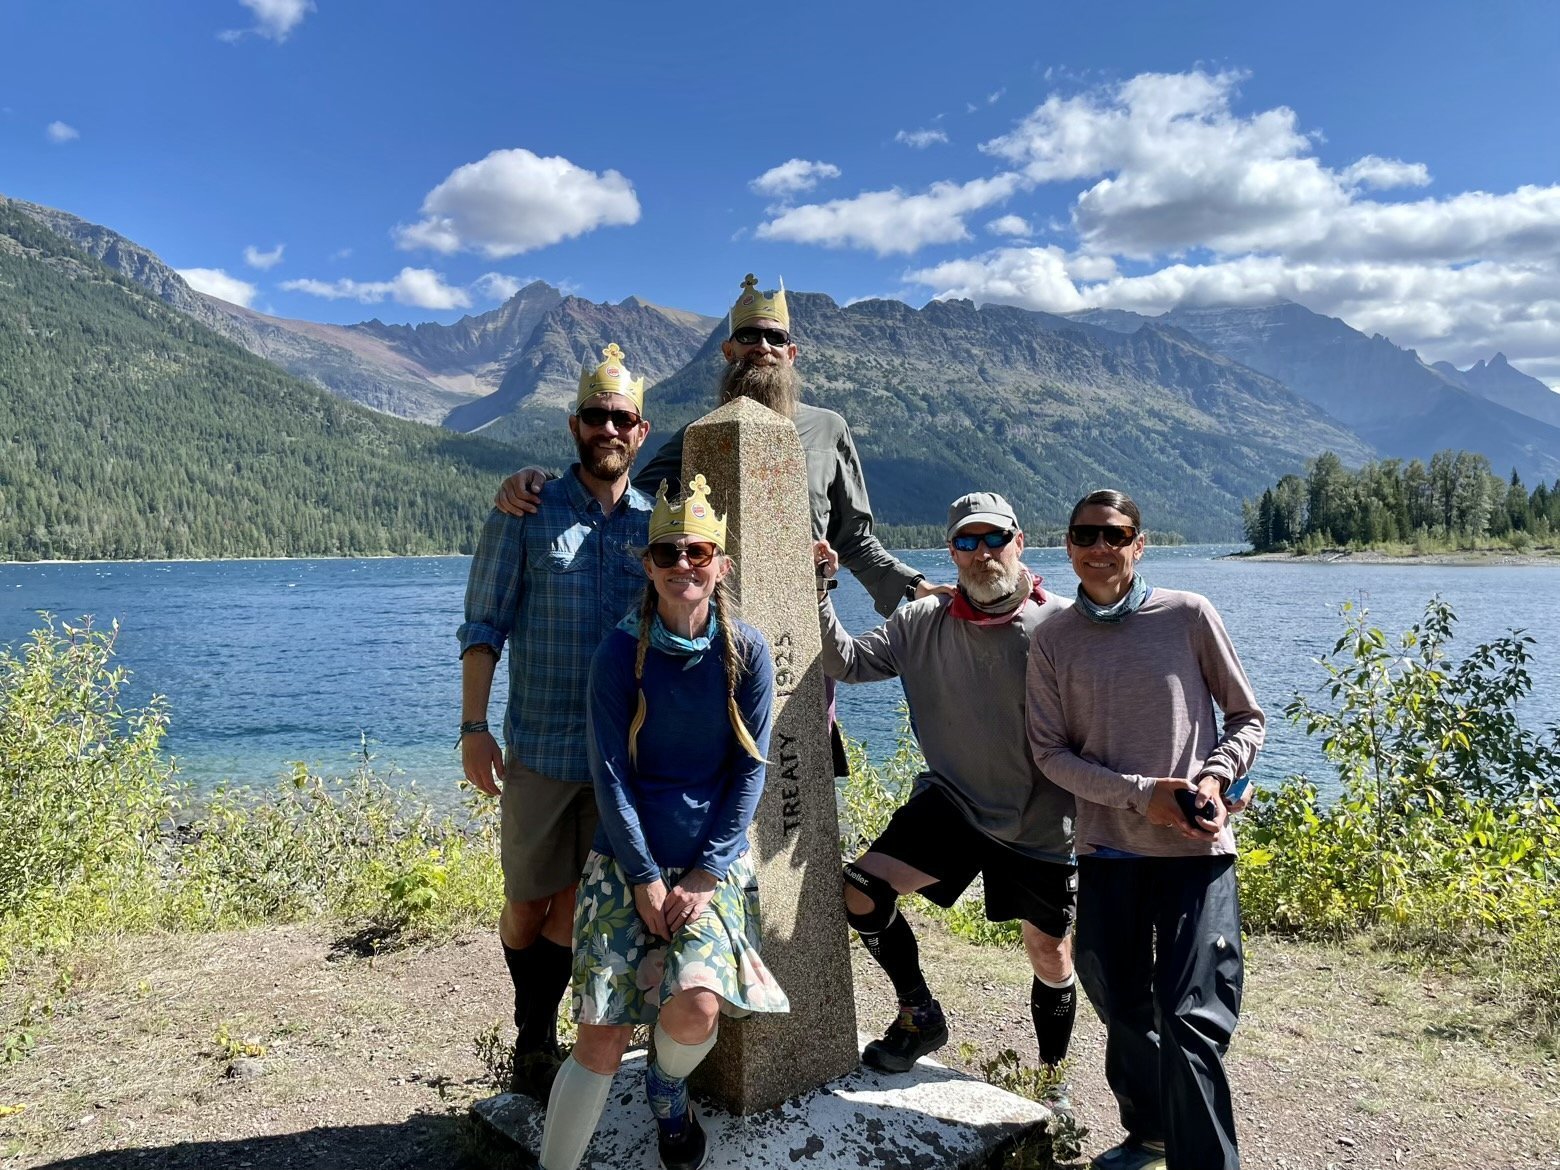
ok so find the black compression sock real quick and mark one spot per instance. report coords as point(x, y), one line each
point(540, 973)
point(1053, 1010)
point(894, 947)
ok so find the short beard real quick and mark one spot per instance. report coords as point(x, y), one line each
point(607, 464)
point(774, 385)
point(988, 587)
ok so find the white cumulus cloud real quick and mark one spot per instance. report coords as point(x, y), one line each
point(889, 222)
point(265, 261)
point(420, 288)
point(497, 286)
point(921, 139)
point(1385, 173)
point(514, 201)
point(217, 283)
point(792, 177)
point(60, 132)
point(274, 20)
point(1009, 225)
point(1178, 196)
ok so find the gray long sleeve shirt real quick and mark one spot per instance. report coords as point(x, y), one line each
point(837, 491)
point(965, 687)
point(1112, 706)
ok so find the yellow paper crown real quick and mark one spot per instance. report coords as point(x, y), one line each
point(692, 517)
point(610, 377)
point(752, 305)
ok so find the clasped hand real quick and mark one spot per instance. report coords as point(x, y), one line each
point(1164, 810)
point(666, 910)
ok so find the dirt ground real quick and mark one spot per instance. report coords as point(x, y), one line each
point(1341, 1061)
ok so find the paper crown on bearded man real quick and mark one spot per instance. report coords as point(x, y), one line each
point(752, 305)
point(610, 377)
point(692, 517)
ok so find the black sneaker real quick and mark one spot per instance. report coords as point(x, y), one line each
point(917, 1031)
point(532, 1073)
point(688, 1149)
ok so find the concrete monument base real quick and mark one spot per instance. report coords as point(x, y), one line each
point(929, 1117)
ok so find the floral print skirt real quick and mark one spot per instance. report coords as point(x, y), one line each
point(623, 973)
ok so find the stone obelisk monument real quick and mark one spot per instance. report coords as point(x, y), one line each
point(757, 473)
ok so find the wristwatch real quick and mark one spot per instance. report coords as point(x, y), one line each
point(913, 585)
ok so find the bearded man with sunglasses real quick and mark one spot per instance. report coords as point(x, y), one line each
point(552, 584)
point(981, 806)
point(760, 355)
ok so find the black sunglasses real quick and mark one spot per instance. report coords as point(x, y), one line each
point(969, 542)
point(1116, 535)
point(665, 556)
point(597, 416)
point(751, 335)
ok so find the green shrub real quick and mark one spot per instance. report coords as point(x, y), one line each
point(1445, 841)
point(102, 837)
point(83, 790)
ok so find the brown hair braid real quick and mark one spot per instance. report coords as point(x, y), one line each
point(647, 606)
point(733, 645)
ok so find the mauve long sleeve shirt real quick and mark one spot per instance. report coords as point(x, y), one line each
point(1111, 706)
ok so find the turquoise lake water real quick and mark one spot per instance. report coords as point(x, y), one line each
point(265, 662)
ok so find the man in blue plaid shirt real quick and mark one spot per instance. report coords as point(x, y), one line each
point(553, 585)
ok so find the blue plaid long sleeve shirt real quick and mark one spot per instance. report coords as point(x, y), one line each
point(553, 585)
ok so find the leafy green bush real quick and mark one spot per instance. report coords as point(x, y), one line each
point(83, 790)
point(103, 838)
point(1446, 838)
point(352, 847)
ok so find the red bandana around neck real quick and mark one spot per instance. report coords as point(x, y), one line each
point(965, 612)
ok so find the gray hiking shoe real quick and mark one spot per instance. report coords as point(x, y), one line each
point(917, 1031)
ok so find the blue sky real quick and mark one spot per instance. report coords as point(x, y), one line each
point(1390, 163)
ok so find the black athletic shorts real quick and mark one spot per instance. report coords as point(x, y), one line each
point(932, 833)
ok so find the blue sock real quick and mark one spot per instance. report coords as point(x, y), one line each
point(668, 1099)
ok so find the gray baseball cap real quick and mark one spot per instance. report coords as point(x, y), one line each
point(980, 508)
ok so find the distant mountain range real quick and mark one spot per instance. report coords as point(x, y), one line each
point(128, 429)
point(1191, 411)
point(1385, 394)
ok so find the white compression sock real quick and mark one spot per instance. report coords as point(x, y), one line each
point(679, 1060)
point(573, 1111)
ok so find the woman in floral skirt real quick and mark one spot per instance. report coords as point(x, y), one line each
point(666, 923)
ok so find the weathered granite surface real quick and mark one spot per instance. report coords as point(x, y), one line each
point(757, 473)
point(930, 1117)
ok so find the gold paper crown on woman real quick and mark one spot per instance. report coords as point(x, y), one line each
point(752, 305)
point(692, 517)
point(610, 377)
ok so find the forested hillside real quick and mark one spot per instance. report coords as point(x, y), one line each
point(129, 430)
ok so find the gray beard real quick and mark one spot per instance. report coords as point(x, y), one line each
point(775, 386)
point(987, 589)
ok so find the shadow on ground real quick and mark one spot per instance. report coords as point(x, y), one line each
point(434, 1141)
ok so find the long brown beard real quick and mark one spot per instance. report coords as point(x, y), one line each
point(608, 464)
point(774, 385)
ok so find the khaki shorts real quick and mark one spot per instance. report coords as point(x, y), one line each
point(546, 830)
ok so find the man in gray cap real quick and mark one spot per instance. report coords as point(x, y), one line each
point(981, 806)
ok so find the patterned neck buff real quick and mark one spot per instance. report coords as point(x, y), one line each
point(1131, 601)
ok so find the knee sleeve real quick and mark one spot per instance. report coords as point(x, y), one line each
point(677, 1059)
point(884, 897)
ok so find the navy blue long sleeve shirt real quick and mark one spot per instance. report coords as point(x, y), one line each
point(690, 798)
